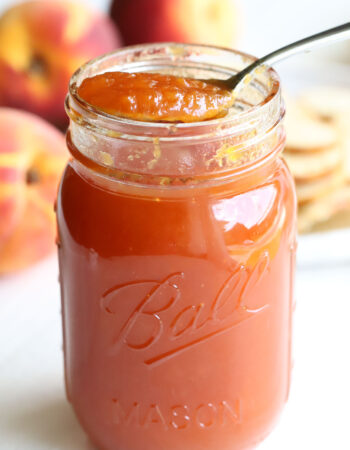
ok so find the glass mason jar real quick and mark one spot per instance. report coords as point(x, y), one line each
point(176, 253)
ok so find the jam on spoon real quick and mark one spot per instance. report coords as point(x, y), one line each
point(155, 97)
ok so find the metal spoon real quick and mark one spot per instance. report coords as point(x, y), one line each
point(304, 45)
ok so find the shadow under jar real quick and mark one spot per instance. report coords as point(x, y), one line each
point(176, 253)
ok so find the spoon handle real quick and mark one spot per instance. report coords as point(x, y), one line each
point(325, 37)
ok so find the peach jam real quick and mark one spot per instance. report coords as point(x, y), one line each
point(155, 97)
point(176, 252)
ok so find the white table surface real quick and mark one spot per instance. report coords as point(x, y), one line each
point(34, 414)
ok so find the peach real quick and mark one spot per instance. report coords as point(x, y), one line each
point(195, 21)
point(41, 44)
point(32, 157)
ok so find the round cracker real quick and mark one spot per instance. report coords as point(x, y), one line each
point(343, 123)
point(326, 101)
point(330, 211)
point(309, 165)
point(332, 103)
point(310, 190)
point(347, 159)
point(307, 133)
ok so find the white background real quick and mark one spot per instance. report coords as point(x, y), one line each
point(266, 24)
point(33, 412)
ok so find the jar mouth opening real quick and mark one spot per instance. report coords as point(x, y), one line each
point(216, 61)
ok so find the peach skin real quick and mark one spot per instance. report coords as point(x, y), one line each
point(195, 21)
point(32, 157)
point(41, 44)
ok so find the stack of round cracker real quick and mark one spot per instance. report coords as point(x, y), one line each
point(318, 155)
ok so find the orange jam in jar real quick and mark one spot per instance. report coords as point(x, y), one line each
point(176, 252)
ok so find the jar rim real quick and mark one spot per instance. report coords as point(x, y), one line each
point(122, 128)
